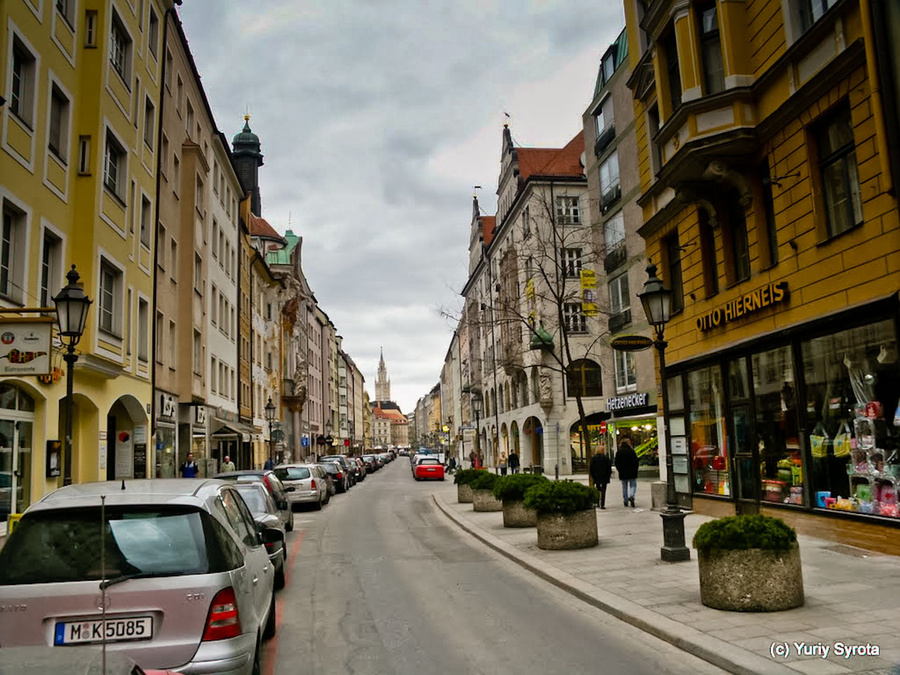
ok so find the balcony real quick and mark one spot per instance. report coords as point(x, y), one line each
point(604, 139)
point(610, 197)
point(616, 257)
point(620, 321)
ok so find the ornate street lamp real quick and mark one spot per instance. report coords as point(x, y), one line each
point(71, 314)
point(477, 402)
point(270, 417)
point(657, 302)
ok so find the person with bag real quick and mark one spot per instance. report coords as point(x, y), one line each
point(627, 467)
point(513, 462)
point(601, 471)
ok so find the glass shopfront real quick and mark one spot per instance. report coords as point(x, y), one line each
point(811, 423)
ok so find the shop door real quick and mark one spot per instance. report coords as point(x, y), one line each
point(8, 462)
point(745, 463)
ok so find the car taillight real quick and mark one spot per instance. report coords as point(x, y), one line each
point(312, 485)
point(223, 621)
point(339, 475)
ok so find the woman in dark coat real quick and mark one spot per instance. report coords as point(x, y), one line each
point(627, 466)
point(601, 471)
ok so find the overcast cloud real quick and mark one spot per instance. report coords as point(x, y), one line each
point(376, 118)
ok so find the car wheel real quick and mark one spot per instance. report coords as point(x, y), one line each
point(271, 627)
point(290, 523)
point(279, 572)
point(318, 506)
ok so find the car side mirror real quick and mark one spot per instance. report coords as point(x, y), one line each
point(269, 535)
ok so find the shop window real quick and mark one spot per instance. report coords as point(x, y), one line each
point(777, 427)
point(583, 379)
point(838, 171)
point(708, 454)
point(711, 50)
point(852, 392)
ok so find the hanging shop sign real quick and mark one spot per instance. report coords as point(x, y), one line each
point(631, 343)
point(25, 347)
point(636, 400)
point(749, 303)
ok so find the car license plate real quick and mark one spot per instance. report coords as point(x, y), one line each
point(79, 632)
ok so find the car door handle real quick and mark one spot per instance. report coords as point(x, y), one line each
point(255, 580)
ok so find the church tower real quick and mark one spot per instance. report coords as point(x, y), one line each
point(247, 160)
point(382, 383)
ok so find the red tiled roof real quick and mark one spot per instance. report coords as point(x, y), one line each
point(259, 227)
point(552, 161)
point(487, 228)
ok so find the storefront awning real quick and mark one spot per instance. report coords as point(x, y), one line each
point(228, 430)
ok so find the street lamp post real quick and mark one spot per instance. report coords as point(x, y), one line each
point(476, 408)
point(270, 417)
point(657, 302)
point(71, 314)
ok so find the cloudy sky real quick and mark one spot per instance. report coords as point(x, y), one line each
point(377, 118)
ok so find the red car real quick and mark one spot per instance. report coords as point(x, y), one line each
point(428, 467)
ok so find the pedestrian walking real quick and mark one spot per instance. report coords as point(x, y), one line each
point(627, 467)
point(189, 469)
point(601, 471)
point(513, 462)
point(503, 464)
point(228, 465)
point(472, 459)
point(269, 465)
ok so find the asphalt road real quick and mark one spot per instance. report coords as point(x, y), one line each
point(381, 582)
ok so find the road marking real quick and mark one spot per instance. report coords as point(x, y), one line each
point(270, 647)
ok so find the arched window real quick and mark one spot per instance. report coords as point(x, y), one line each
point(583, 378)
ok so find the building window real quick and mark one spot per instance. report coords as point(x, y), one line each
point(610, 190)
point(66, 8)
point(51, 264)
point(176, 175)
point(169, 66)
point(146, 221)
point(149, 122)
point(573, 318)
point(708, 254)
point(189, 119)
point(143, 330)
point(153, 33)
point(213, 372)
point(161, 246)
point(670, 49)
point(109, 305)
point(626, 375)
point(652, 132)
point(12, 254)
point(838, 171)
point(771, 233)
point(173, 344)
point(740, 245)
point(160, 349)
point(567, 210)
point(619, 300)
point(164, 157)
point(173, 256)
point(614, 232)
point(90, 28)
point(22, 81)
point(811, 11)
point(120, 48)
point(673, 273)
point(572, 263)
point(215, 239)
point(526, 222)
point(711, 49)
point(198, 353)
point(198, 273)
point(114, 165)
point(58, 134)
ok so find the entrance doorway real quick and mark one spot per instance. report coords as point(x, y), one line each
point(16, 423)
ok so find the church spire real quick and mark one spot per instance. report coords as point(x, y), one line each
point(382, 383)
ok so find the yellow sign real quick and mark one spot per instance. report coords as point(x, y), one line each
point(589, 306)
point(768, 295)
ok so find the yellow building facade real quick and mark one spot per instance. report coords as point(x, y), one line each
point(81, 85)
point(768, 155)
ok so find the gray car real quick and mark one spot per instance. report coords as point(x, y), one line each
point(305, 484)
point(172, 573)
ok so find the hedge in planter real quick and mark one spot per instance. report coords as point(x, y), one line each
point(565, 514)
point(482, 493)
point(463, 479)
point(749, 564)
point(511, 491)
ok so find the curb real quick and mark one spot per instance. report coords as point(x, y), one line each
point(719, 653)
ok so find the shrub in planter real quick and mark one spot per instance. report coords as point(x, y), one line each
point(749, 564)
point(463, 479)
point(511, 491)
point(565, 514)
point(482, 493)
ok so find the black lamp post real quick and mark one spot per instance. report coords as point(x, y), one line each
point(657, 302)
point(270, 417)
point(71, 314)
point(476, 408)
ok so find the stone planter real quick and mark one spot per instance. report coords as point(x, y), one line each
point(516, 515)
point(752, 580)
point(464, 493)
point(563, 532)
point(484, 500)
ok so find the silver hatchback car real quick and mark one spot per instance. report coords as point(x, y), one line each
point(172, 573)
point(304, 483)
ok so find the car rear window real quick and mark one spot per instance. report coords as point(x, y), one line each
point(330, 467)
point(428, 460)
point(64, 545)
point(254, 499)
point(292, 473)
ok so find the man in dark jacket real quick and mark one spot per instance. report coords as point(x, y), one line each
point(627, 466)
point(601, 470)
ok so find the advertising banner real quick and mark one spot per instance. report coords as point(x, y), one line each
point(589, 306)
point(25, 346)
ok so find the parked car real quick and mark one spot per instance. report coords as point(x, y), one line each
point(265, 513)
point(73, 660)
point(371, 464)
point(345, 463)
point(179, 565)
point(272, 483)
point(360, 469)
point(338, 475)
point(428, 468)
point(306, 484)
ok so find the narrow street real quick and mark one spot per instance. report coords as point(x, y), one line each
point(381, 582)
